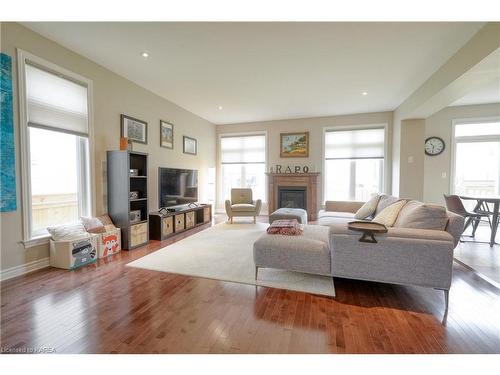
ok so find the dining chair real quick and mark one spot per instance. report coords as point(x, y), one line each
point(455, 205)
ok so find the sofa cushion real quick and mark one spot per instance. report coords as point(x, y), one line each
point(405, 233)
point(389, 214)
point(333, 220)
point(308, 253)
point(368, 209)
point(243, 207)
point(343, 206)
point(324, 213)
point(419, 215)
point(384, 201)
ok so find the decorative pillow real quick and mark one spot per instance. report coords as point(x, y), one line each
point(419, 215)
point(105, 220)
point(368, 209)
point(92, 224)
point(68, 232)
point(389, 214)
point(385, 201)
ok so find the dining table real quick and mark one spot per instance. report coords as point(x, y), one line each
point(481, 200)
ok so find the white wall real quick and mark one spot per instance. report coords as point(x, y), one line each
point(440, 125)
point(463, 73)
point(113, 95)
point(315, 127)
point(412, 159)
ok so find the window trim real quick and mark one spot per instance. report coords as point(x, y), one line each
point(219, 198)
point(24, 57)
point(385, 126)
point(472, 138)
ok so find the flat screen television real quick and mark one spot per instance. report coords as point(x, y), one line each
point(177, 186)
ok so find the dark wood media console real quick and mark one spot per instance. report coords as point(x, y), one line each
point(164, 225)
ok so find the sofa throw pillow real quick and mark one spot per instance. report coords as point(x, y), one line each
point(389, 214)
point(368, 209)
point(420, 215)
point(68, 232)
point(92, 224)
point(384, 201)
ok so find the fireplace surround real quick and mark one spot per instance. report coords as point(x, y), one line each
point(294, 184)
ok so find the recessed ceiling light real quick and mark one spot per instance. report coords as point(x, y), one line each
point(364, 93)
point(145, 55)
point(220, 107)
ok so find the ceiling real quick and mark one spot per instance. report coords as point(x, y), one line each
point(267, 71)
point(489, 93)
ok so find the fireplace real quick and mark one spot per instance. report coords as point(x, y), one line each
point(297, 190)
point(292, 197)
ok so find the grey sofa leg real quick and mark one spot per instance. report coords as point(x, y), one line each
point(256, 272)
point(333, 284)
point(446, 303)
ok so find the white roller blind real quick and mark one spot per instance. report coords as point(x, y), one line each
point(243, 149)
point(355, 144)
point(55, 102)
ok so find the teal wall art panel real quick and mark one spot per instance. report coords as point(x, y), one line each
point(7, 157)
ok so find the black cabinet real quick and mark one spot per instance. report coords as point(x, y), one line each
point(167, 224)
point(128, 196)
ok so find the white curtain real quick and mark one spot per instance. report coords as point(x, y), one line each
point(243, 149)
point(354, 144)
point(55, 102)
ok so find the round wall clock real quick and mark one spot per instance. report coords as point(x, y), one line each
point(434, 146)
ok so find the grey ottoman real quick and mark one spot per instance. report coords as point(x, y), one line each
point(308, 253)
point(289, 213)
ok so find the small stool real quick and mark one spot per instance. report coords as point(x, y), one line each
point(288, 214)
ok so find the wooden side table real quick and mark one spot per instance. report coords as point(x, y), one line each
point(368, 229)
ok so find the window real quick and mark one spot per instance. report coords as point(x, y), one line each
point(477, 159)
point(56, 165)
point(354, 163)
point(243, 164)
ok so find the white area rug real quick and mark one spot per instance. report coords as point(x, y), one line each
point(225, 252)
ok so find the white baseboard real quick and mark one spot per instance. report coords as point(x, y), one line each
point(9, 273)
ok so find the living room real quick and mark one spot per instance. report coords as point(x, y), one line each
point(250, 187)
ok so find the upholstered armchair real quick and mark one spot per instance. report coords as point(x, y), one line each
point(242, 204)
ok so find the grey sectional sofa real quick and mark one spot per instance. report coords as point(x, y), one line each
point(407, 256)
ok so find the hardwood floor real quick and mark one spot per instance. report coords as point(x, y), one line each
point(477, 254)
point(110, 308)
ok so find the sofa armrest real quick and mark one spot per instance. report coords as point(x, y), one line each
point(229, 210)
point(258, 206)
point(400, 256)
point(343, 206)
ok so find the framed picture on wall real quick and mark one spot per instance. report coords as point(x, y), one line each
point(294, 145)
point(190, 145)
point(166, 134)
point(134, 129)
